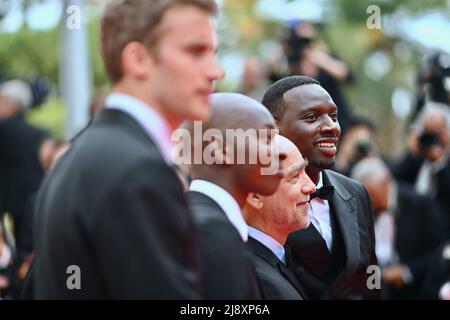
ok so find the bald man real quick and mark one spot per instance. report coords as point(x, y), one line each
point(272, 218)
point(219, 191)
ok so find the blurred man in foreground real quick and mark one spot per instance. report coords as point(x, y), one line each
point(112, 221)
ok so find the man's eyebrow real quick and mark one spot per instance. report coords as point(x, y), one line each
point(296, 168)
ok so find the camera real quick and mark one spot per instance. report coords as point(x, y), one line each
point(363, 149)
point(429, 139)
point(435, 70)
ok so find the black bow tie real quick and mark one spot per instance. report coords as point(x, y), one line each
point(325, 193)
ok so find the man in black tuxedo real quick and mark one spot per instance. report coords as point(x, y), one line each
point(408, 230)
point(112, 220)
point(271, 219)
point(220, 186)
point(332, 255)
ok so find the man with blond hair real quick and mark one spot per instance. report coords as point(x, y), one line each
point(111, 218)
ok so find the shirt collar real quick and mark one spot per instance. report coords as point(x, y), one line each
point(272, 244)
point(5, 258)
point(153, 123)
point(225, 201)
point(393, 196)
point(320, 183)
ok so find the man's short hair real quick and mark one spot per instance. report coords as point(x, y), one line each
point(125, 21)
point(273, 98)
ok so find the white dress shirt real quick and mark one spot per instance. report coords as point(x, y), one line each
point(425, 183)
point(225, 201)
point(423, 180)
point(153, 123)
point(269, 242)
point(384, 238)
point(319, 214)
point(385, 231)
point(444, 292)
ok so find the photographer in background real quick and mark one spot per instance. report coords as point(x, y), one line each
point(359, 142)
point(26, 152)
point(306, 56)
point(400, 215)
point(426, 164)
point(431, 81)
point(356, 144)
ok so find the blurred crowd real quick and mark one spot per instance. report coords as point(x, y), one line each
point(410, 195)
point(27, 152)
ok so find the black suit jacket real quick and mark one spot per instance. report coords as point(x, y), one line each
point(113, 207)
point(439, 272)
point(407, 171)
point(227, 271)
point(352, 212)
point(20, 169)
point(276, 282)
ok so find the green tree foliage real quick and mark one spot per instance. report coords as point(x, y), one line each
point(30, 53)
point(345, 33)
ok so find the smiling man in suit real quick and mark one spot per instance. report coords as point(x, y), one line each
point(219, 191)
point(332, 255)
point(112, 207)
point(271, 219)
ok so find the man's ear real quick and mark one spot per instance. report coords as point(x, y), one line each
point(136, 60)
point(228, 154)
point(255, 200)
point(277, 123)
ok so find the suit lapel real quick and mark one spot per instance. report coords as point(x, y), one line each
point(311, 248)
point(290, 276)
point(124, 120)
point(270, 257)
point(199, 198)
point(343, 205)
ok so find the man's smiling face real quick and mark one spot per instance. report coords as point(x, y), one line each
point(311, 122)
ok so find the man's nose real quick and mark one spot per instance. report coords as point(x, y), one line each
point(308, 186)
point(216, 71)
point(329, 125)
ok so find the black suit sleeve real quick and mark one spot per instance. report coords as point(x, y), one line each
point(433, 235)
point(229, 273)
point(139, 234)
point(443, 191)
